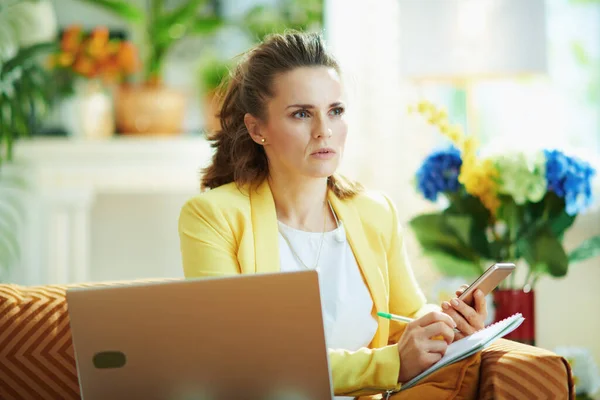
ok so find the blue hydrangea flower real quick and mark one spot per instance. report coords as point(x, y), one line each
point(439, 173)
point(571, 179)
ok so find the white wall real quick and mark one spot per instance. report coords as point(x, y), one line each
point(135, 236)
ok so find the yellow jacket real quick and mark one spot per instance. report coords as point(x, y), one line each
point(228, 231)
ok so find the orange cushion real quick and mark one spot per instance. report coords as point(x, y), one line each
point(455, 381)
point(514, 370)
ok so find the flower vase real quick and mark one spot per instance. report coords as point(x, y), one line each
point(88, 113)
point(511, 301)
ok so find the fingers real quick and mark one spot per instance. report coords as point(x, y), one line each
point(439, 329)
point(434, 316)
point(466, 311)
point(461, 289)
point(461, 323)
point(436, 346)
point(480, 303)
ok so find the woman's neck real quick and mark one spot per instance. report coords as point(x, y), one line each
point(301, 203)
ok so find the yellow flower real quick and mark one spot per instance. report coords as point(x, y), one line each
point(424, 106)
point(470, 145)
point(455, 135)
point(477, 176)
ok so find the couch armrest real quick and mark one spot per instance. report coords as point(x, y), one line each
point(513, 370)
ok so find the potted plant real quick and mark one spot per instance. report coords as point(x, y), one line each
point(213, 72)
point(27, 31)
point(512, 207)
point(86, 67)
point(152, 107)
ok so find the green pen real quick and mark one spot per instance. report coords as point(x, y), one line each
point(399, 318)
point(395, 317)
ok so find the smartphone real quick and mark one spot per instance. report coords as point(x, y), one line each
point(488, 281)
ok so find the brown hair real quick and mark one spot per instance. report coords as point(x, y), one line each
point(237, 157)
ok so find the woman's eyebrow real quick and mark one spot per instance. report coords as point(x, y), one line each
point(336, 104)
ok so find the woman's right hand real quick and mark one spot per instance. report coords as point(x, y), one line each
point(420, 345)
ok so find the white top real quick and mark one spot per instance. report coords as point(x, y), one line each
point(345, 298)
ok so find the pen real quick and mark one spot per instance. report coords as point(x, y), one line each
point(399, 318)
point(395, 317)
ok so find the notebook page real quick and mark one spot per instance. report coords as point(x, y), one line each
point(471, 344)
point(481, 337)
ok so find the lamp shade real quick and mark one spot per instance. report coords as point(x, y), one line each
point(472, 38)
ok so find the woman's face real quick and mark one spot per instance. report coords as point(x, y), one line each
point(305, 131)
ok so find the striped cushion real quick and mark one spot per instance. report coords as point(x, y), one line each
point(507, 370)
point(511, 370)
point(36, 351)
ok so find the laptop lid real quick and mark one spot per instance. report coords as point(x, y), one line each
point(241, 337)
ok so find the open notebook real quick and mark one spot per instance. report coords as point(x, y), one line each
point(471, 344)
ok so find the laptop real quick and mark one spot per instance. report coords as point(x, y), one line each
point(242, 337)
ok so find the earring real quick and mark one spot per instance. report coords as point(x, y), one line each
point(263, 140)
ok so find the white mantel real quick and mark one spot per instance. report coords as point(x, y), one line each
point(66, 175)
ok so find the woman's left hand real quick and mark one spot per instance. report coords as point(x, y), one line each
point(468, 319)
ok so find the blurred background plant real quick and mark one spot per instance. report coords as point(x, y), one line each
point(87, 68)
point(163, 26)
point(95, 55)
point(212, 72)
point(264, 19)
point(27, 33)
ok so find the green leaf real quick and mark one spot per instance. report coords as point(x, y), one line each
point(430, 230)
point(182, 15)
point(560, 223)
point(435, 234)
point(26, 54)
point(511, 213)
point(123, 9)
point(206, 26)
point(450, 265)
point(461, 225)
point(544, 253)
point(470, 206)
point(548, 213)
point(462, 203)
point(588, 249)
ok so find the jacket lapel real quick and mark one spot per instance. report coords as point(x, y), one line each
point(264, 227)
point(348, 214)
point(266, 239)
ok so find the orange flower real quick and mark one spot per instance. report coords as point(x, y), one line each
point(84, 66)
point(95, 54)
point(113, 47)
point(97, 44)
point(71, 39)
point(127, 57)
point(100, 35)
point(111, 72)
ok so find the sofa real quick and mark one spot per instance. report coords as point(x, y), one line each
point(37, 360)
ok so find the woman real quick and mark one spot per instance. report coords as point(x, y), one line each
point(277, 204)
